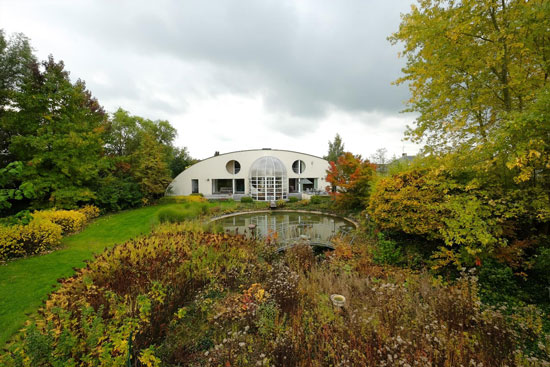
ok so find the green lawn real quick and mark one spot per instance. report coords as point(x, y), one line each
point(26, 283)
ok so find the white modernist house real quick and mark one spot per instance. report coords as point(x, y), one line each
point(263, 174)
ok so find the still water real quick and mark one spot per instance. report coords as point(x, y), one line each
point(287, 228)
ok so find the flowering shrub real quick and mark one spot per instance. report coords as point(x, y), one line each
point(35, 237)
point(69, 220)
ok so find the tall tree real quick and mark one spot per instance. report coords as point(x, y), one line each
point(180, 160)
point(469, 63)
point(16, 59)
point(352, 176)
point(151, 171)
point(380, 156)
point(55, 128)
point(335, 149)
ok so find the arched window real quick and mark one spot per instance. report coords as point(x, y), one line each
point(268, 179)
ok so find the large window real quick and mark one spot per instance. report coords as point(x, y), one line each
point(222, 186)
point(268, 179)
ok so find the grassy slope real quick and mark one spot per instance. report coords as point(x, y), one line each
point(26, 283)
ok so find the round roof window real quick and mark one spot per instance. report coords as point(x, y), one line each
point(299, 166)
point(233, 167)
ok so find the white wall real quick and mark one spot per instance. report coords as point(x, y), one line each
point(214, 168)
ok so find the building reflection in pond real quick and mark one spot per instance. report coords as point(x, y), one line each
point(288, 227)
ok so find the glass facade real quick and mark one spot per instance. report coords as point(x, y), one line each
point(268, 179)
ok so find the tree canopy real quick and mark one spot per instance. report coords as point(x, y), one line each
point(470, 63)
point(478, 72)
point(352, 177)
point(58, 147)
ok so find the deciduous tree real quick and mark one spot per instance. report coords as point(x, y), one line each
point(151, 171)
point(352, 176)
point(55, 130)
point(469, 63)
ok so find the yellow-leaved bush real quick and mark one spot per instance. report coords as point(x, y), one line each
point(69, 220)
point(90, 211)
point(409, 202)
point(43, 232)
point(35, 237)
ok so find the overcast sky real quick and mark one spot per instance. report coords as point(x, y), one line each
point(233, 75)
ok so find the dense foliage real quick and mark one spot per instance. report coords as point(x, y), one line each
point(184, 296)
point(351, 176)
point(480, 193)
point(32, 238)
point(58, 148)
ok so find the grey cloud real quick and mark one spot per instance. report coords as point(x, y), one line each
point(302, 56)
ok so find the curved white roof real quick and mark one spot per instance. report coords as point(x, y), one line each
point(214, 169)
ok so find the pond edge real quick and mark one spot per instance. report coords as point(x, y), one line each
point(283, 211)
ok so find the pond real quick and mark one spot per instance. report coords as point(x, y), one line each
point(288, 228)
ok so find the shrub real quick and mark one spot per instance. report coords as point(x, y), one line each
point(182, 199)
point(114, 194)
point(315, 199)
point(40, 235)
point(281, 203)
point(9, 244)
point(195, 198)
point(143, 291)
point(69, 220)
point(386, 252)
point(246, 199)
point(204, 209)
point(90, 211)
point(408, 202)
point(20, 240)
point(174, 215)
point(293, 199)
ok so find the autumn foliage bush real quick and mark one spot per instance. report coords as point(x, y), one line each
point(186, 297)
point(68, 220)
point(409, 202)
point(90, 211)
point(351, 176)
point(35, 237)
point(43, 232)
point(468, 223)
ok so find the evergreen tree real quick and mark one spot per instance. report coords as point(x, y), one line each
point(335, 149)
